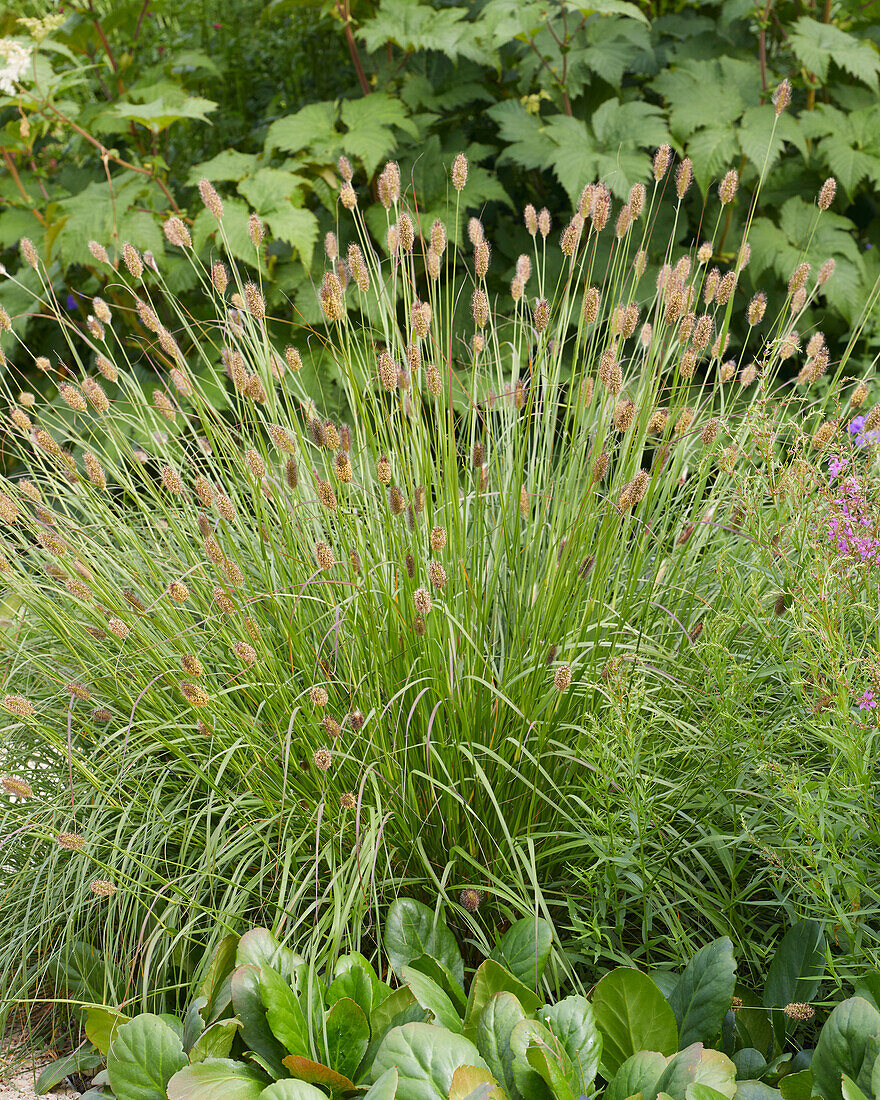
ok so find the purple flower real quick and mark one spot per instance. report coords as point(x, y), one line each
point(836, 465)
point(867, 700)
point(851, 525)
point(71, 304)
point(862, 438)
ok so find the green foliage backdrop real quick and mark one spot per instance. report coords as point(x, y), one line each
point(125, 105)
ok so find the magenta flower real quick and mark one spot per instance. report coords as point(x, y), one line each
point(867, 700)
point(851, 526)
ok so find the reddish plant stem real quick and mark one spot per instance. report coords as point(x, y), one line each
point(343, 9)
point(16, 179)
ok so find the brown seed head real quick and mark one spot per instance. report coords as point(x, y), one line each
point(728, 187)
point(73, 842)
point(15, 785)
point(480, 307)
point(782, 96)
point(541, 316)
point(323, 759)
point(396, 500)
point(389, 185)
point(178, 591)
point(195, 695)
point(661, 162)
point(192, 665)
point(825, 272)
point(99, 252)
point(684, 175)
point(210, 198)
point(610, 373)
point(324, 555)
point(710, 431)
point(757, 307)
point(19, 706)
point(459, 172)
point(562, 678)
point(95, 470)
point(624, 414)
point(437, 575)
point(245, 653)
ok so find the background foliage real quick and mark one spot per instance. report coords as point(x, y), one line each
point(128, 104)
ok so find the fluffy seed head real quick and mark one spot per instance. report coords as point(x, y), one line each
point(406, 233)
point(245, 653)
point(825, 272)
point(342, 467)
point(562, 678)
point(726, 287)
point(782, 96)
point(72, 397)
point(343, 166)
point(17, 786)
point(624, 414)
point(99, 252)
point(132, 260)
point(210, 198)
point(97, 398)
point(610, 373)
point(826, 193)
point(396, 500)
point(177, 233)
point(256, 230)
point(480, 307)
point(102, 887)
point(178, 591)
point(437, 575)
point(684, 175)
point(471, 899)
point(323, 555)
point(192, 665)
point(255, 463)
point(710, 431)
point(541, 316)
point(592, 301)
point(422, 600)
point(530, 217)
point(544, 222)
point(459, 172)
point(728, 187)
point(195, 695)
point(859, 396)
point(388, 371)
point(757, 307)
point(332, 302)
point(28, 252)
point(95, 470)
point(73, 842)
point(254, 300)
point(636, 200)
point(383, 470)
point(164, 405)
point(18, 705)
point(661, 162)
point(323, 759)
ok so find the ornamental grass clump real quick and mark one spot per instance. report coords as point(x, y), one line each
point(505, 478)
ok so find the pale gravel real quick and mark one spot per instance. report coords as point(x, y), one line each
point(19, 1072)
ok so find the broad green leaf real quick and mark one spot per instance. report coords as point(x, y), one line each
point(215, 1042)
point(797, 1086)
point(849, 1043)
point(292, 1090)
point(477, 1084)
point(269, 188)
point(750, 1064)
point(431, 997)
point(284, 1012)
point(572, 1022)
point(868, 987)
point(228, 165)
point(193, 1022)
point(214, 986)
point(159, 114)
point(258, 947)
point(412, 929)
point(144, 1055)
point(817, 44)
point(384, 1087)
point(443, 976)
point(489, 979)
point(102, 1024)
point(347, 1035)
point(417, 27)
point(745, 1090)
point(296, 227)
point(315, 1073)
point(704, 993)
point(80, 1061)
point(696, 1065)
point(251, 1012)
point(426, 1058)
point(371, 123)
point(541, 1068)
point(355, 960)
point(851, 1090)
point(696, 1091)
point(494, 1028)
point(524, 950)
point(218, 1079)
point(639, 1074)
point(313, 123)
point(795, 971)
point(632, 1015)
point(355, 983)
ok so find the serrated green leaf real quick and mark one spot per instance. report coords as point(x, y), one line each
point(817, 44)
point(412, 26)
point(295, 132)
point(228, 165)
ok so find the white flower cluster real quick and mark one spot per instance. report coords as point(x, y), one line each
point(14, 59)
